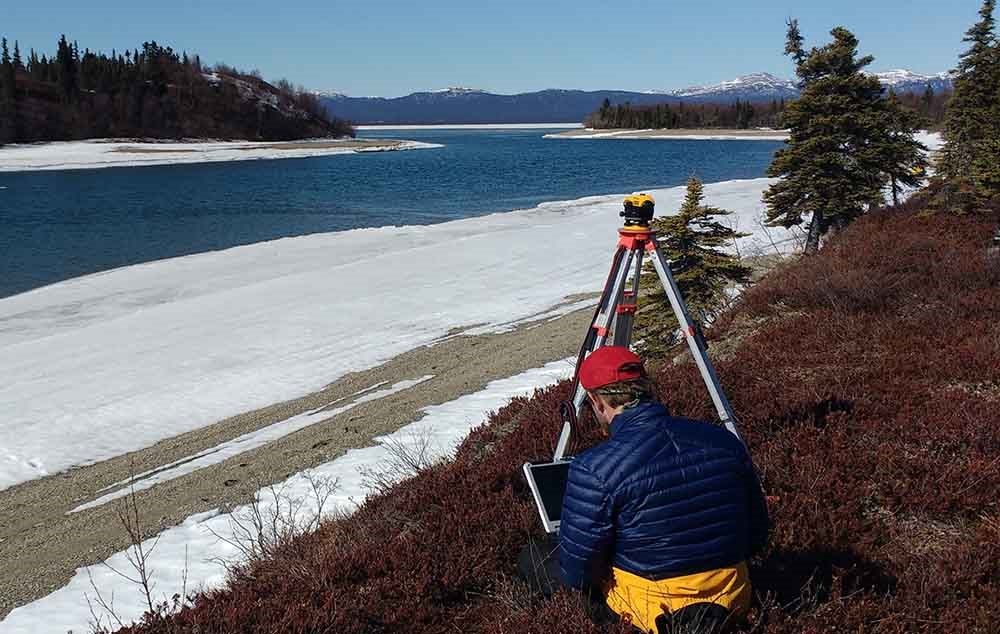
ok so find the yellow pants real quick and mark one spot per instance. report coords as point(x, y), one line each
point(641, 600)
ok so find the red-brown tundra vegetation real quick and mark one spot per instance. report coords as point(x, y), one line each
point(867, 379)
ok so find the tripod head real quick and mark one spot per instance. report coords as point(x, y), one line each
point(638, 210)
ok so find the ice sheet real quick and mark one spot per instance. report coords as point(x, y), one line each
point(591, 133)
point(102, 153)
point(471, 126)
point(101, 365)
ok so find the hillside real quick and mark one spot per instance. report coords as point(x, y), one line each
point(465, 105)
point(152, 92)
point(867, 382)
point(462, 105)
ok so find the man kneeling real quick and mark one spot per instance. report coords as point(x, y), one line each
point(661, 517)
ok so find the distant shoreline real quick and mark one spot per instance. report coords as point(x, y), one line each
point(98, 153)
point(678, 133)
point(466, 126)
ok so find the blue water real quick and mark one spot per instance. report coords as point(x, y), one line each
point(58, 225)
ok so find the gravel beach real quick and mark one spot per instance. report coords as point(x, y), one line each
point(41, 545)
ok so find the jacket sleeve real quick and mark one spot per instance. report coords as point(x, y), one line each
point(586, 530)
point(759, 522)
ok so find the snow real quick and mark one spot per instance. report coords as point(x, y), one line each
point(757, 83)
point(236, 446)
point(933, 140)
point(471, 126)
point(592, 133)
point(193, 550)
point(899, 76)
point(548, 315)
point(666, 136)
point(107, 153)
point(113, 362)
point(768, 85)
point(457, 90)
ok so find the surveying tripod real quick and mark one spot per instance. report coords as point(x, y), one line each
point(615, 313)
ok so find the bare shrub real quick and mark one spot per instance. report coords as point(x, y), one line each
point(408, 455)
point(275, 518)
point(139, 574)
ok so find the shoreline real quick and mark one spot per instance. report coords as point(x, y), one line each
point(694, 134)
point(44, 544)
point(467, 126)
point(105, 153)
point(178, 327)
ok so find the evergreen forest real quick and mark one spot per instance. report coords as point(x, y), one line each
point(929, 105)
point(147, 92)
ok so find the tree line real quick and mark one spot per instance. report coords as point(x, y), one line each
point(929, 104)
point(152, 91)
point(739, 115)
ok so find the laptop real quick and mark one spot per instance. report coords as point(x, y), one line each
point(547, 481)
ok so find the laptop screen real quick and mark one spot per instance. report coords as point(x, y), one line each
point(548, 484)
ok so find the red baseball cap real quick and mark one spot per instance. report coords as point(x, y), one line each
point(610, 364)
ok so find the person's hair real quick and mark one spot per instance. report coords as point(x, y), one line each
point(628, 393)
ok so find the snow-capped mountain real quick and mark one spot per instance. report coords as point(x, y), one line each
point(754, 87)
point(765, 86)
point(472, 105)
point(455, 91)
point(907, 81)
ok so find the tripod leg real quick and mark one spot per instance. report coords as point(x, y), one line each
point(602, 306)
point(597, 335)
point(694, 343)
point(625, 312)
point(607, 318)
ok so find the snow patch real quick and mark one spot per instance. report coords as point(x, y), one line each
point(472, 126)
point(71, 155)
point(666, 136)
point(933, 140)
point(194, 548)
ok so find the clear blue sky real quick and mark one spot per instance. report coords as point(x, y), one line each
point(393, 48)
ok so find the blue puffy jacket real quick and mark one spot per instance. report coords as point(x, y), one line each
point(662, 497)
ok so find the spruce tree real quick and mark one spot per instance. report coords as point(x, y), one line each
point(67, 69)
point(8, 90)
point(972, 131)
point(903, 158)
point(692, 240)
point(928, 99)
point(840, 154)
point(794, 44)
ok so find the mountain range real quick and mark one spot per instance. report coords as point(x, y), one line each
point(469, 105)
